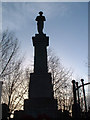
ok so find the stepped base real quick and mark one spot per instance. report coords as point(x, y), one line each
point(40, 106)
point(40, 103)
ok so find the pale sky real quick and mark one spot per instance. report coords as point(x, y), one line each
point(45, 0)
point(66, 25)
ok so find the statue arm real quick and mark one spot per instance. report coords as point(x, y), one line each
point(37, 18)
point(44, 19)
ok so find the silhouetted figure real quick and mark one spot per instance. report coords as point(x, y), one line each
point(40, 22)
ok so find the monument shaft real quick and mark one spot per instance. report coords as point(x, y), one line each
point(40, 42)
point(40, 81)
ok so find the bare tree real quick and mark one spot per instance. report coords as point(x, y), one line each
point(8, 49)
point(61, 80)
point(14, 87)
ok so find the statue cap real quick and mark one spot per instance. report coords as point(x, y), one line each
point(40, 12)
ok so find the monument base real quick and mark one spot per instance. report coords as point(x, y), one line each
point(41, 106)
point(40, 86)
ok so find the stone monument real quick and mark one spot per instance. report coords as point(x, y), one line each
point(41, 100)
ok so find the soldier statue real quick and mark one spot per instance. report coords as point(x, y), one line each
point(40, 22)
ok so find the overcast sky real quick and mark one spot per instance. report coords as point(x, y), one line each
point(66, 25)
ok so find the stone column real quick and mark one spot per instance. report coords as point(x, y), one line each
point(40, 80)
point(40, 42)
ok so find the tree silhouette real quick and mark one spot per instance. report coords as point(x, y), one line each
point(13, 89)
point(61, 80)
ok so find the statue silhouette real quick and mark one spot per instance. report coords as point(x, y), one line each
point(40, 22)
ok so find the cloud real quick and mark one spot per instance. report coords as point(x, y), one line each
point(17, 15)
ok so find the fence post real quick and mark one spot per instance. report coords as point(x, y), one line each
point(78, 93)
point(74, 91)
point(75, 107)
point(82, 80)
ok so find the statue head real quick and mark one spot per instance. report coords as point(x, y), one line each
point(40, 13)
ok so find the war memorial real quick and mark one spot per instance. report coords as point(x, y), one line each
point(40, 100)
point(41, 104)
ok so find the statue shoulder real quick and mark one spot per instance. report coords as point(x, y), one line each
point(40, 18)
point(44, 19)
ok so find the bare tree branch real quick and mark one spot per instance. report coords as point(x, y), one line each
point(61, 78)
